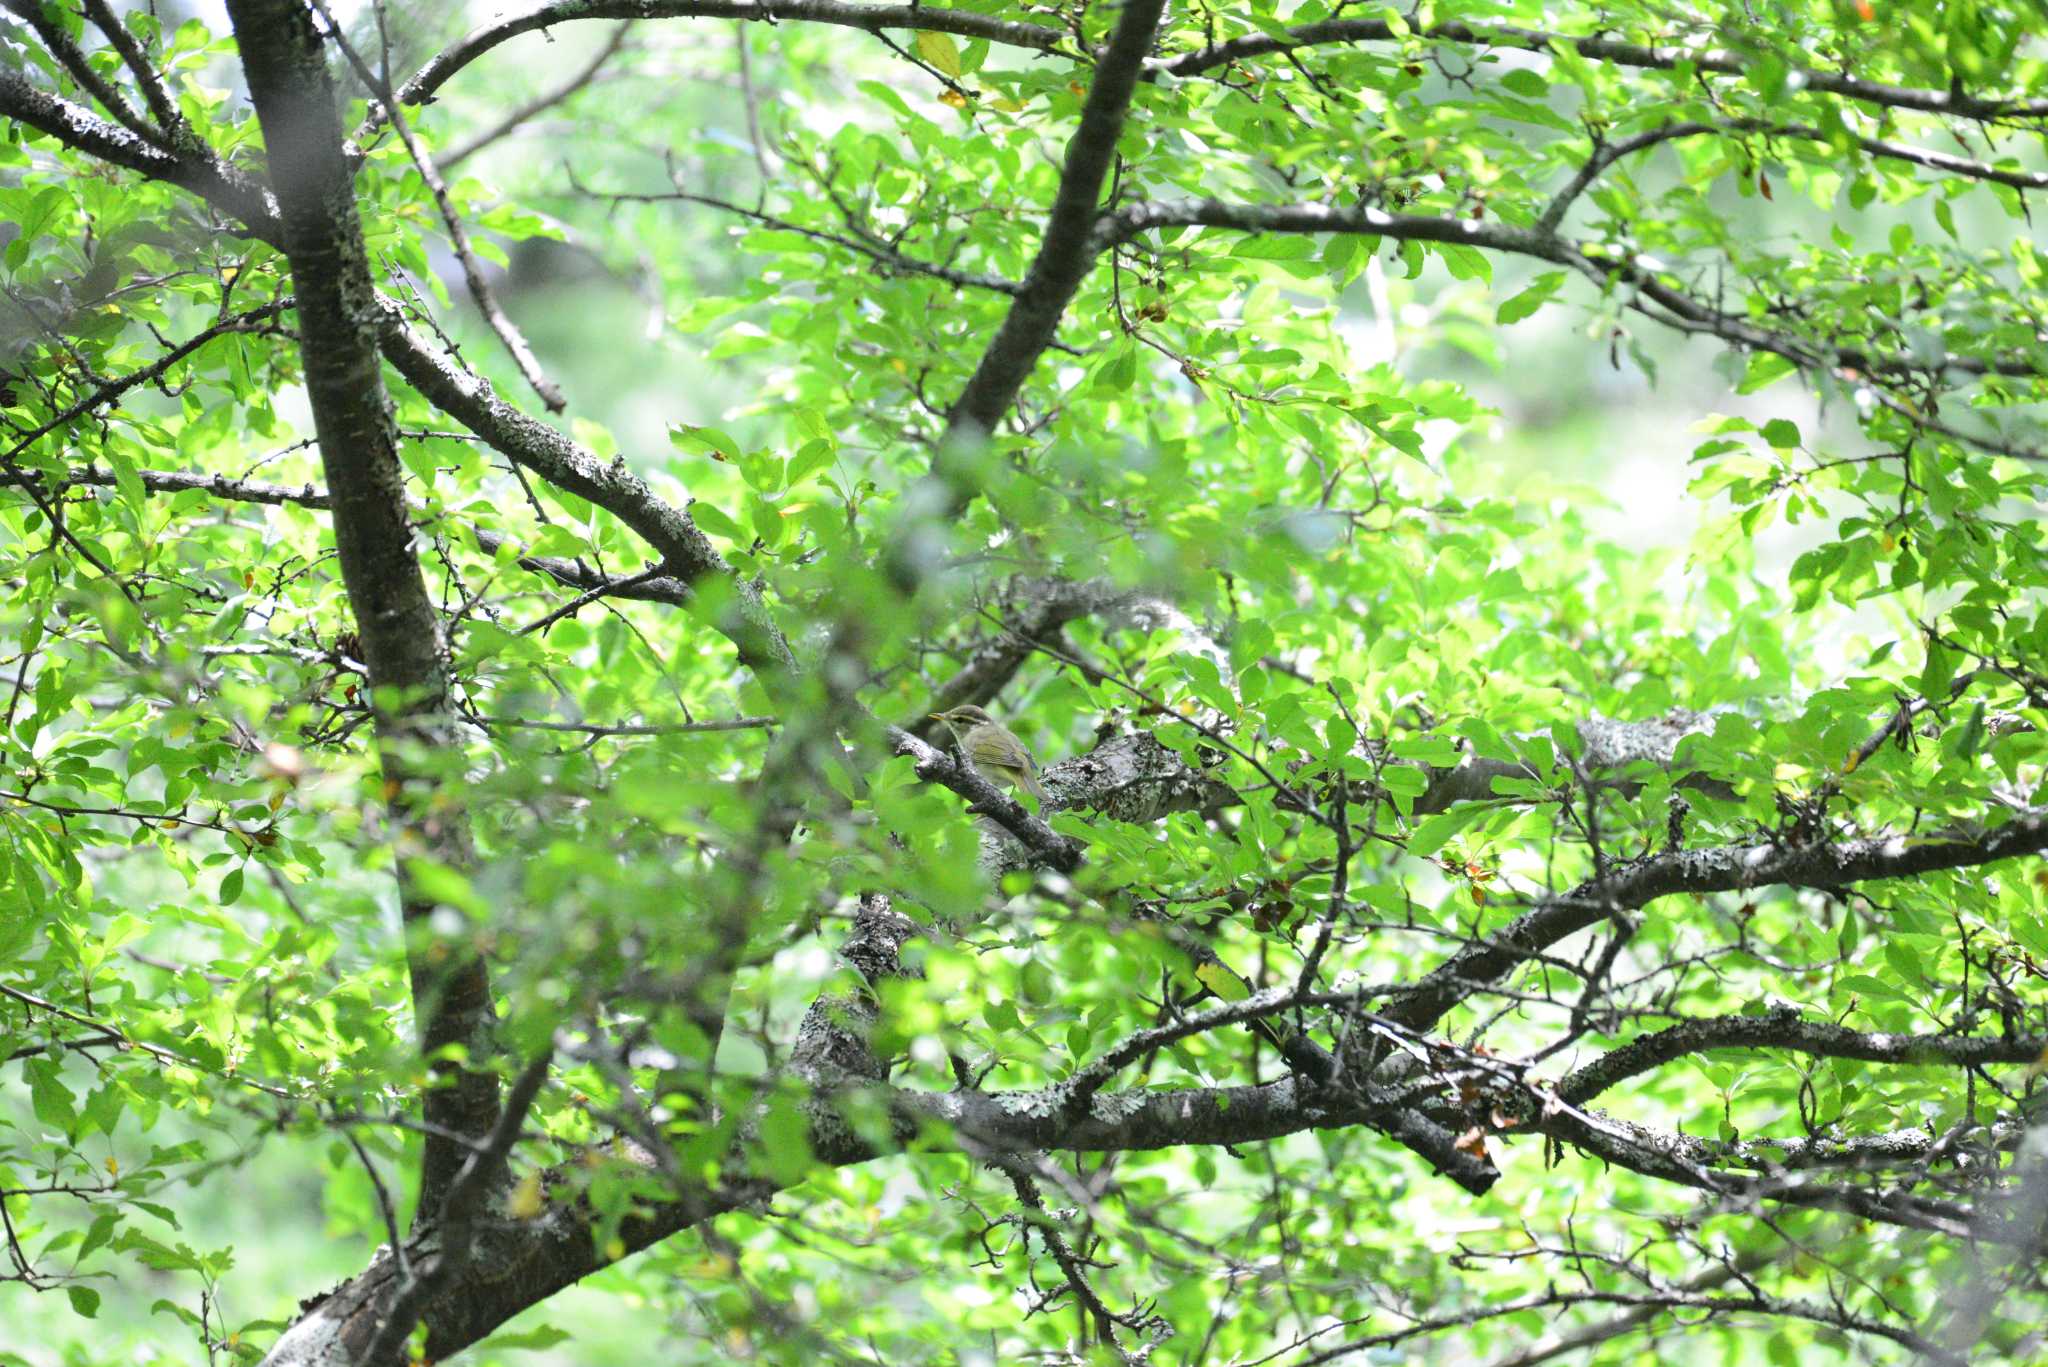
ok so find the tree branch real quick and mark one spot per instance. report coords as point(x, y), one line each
point(1722, 869)
point(1717, 61)
point(540, 103)
point(148, 79)
point(687, 553)
point(1064, 254)
point(204, 174)
point(400, 628)
point(455, 1223)
point(1675, 309)
point(962, 23)
point(480, 292)
point(250, 320)
point(1688, 1161)
point(1785, 1030)
point(73, 60)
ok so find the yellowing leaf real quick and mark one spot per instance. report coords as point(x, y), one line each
point(942, 53)
point(953, 98)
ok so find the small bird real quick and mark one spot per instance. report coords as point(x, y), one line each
point(996, 754)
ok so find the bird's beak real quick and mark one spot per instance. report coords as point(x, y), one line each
point(936, 716)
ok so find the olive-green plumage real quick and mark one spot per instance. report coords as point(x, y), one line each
point(986, 744)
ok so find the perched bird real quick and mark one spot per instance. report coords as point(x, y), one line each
point(987, 745)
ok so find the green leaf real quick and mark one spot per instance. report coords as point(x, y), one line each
point(52, 1101)
point(1526, 303)
point(1765, 368)
point(1439, 751)
point(816, 456)
point(1781, 434)
point(1275, 247)
point(1432, 834)
point(1465, 263)
point(767, 520)
point(1938, 673)
point(785, 1140)
point(1218, 978)
point(710, 518)
point(1120, 369)
point(685, 437)
point(540, 1336)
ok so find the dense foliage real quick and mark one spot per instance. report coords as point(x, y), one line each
point(482, 548)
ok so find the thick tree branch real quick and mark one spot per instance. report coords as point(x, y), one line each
point(1673, 307)
point(1785, 1030)
point(462, 1209)
point(74, 62)
point(1725, 868)
point(534, 1258)
point(526, 1261)
point(1643, 56)
point(1915, 1148)
point(1691, 1162)
point(395, 616)
point(78, 128)
point(687, 553)
point(148, 79)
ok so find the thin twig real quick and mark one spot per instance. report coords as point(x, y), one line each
point(681, 728)
point(458, 236)
point(750, 99)
point(540, 103)
point(581, 601)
